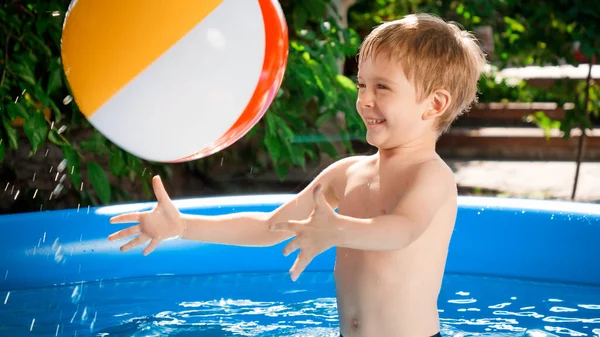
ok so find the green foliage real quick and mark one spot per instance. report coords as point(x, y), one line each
point(37, 102)
point(525, 33)
point(37, 110)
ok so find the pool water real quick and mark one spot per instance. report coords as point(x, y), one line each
point(269, 304)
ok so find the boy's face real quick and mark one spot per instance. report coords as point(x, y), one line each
point(387, 103)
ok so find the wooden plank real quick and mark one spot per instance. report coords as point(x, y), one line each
point(514, 111)
point(516, 143)
point(516, 132)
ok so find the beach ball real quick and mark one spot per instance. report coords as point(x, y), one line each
point(172, 81)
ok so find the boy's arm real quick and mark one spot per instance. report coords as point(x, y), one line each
point(244, 229)
point(431, 188)
point(253, 228)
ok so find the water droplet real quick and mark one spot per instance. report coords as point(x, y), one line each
point(78, 205)
point(144, 172)
point(51, 168)
point(68, 99)
point(57, 328)
point(73, 318)
point(56, 13)
point(62, 165)
point(6, 187)
point(62, 129)
point(88, 211)
point(222, 160)
point(50, 197)
point(93, 321)
point(76, 294)
point(44, 237)
point(46, 154)
point(32, 323)
point(6, 275)
point(81, 186)
point(41, 206)
point(34, 177)
point(12, 189)
point(16, 195)
point(56, 177)
point(7, 296)
point(58, 189)
point(52, 125)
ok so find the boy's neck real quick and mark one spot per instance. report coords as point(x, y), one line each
point(419, 147)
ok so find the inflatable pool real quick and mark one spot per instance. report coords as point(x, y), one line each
point(515, 268)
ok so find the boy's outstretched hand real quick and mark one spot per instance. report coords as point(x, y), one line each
point(162, 222)
point(313, 235)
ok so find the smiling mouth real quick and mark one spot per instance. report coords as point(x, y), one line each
point(373, 121)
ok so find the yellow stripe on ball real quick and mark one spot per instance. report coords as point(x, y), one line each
point(104, 46)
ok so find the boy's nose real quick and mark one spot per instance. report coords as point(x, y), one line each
point(365, 100)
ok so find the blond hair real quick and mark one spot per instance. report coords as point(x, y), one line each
point(433, 54)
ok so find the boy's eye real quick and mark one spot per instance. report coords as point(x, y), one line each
point(381, 86)
point(360, 85)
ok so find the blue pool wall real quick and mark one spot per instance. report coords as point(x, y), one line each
point(540, 240)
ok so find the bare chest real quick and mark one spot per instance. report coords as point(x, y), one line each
point(366, 197)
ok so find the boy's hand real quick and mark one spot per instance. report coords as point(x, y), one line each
point(313, 235)
point(162, 222)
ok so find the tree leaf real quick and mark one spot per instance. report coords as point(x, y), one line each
point(54, 138)
point(73, 165)
point(23, 70)
point(36, 129)
point(96, 144)
point(273, 146)
point(13, 138)
point(54, 82)
point(116, 163)
point(99, 181)
point(16, 110)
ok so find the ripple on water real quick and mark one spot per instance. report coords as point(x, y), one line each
point(242, 305)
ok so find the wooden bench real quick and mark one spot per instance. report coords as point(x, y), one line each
point(502, 131)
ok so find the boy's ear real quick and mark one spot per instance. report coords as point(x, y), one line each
point(439, 102)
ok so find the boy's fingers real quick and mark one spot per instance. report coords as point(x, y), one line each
point(291, 247)
point(153, 244)
point(159, 189)
point(127, 217)
point(124, 233)
point(140, 239)
point(301, 262)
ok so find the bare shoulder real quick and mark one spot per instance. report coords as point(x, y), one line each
point(332, 179)
point(431, 187)
point(434, 172)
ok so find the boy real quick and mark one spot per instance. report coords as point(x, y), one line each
point(396, 209)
